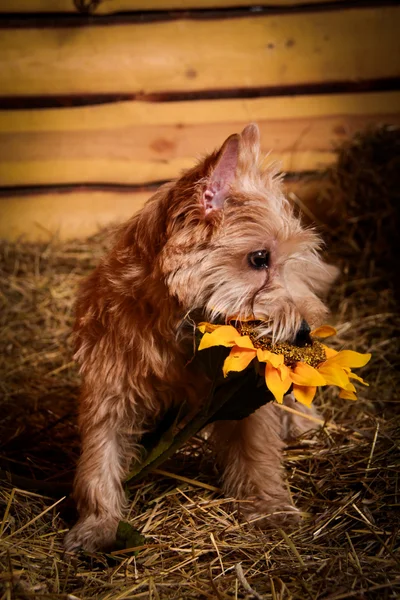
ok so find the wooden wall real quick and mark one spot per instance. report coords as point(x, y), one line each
point(100, 101)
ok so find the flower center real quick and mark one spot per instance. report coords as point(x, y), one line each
point(311, 354)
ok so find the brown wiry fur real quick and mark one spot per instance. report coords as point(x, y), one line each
point(182, 258)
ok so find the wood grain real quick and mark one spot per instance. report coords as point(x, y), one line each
point(113, 6)
point(72, 214)
point(139, 143)
point(116, 115)
point(195, 55)
point(67, 215)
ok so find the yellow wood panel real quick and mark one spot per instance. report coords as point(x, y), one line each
point(66, 215)
point(132, 172)
point(195, 55)
point(78, 214)
point(118, 115)
point(128, 146)
point(110, 6)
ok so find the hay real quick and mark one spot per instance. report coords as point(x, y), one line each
point(344, 478)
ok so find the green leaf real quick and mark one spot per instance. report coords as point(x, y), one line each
point(247, 393)
point(211, 360)
point(128, 537)
point(234, 397)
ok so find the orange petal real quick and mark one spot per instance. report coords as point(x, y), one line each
point(350, 388)
point(266, 356)
point(347, 395)
point(243, 341)
point(207, 327)
point(225, 335)
point(238, 359)
point(304, 374)
point(349, 358)
point(329, 352)
point(284, 372)
point(334, 375)
point(304, 394)
point(357, 378)
point(274, 382)
point(324, 331)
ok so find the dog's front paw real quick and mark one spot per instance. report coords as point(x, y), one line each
point(92, 534)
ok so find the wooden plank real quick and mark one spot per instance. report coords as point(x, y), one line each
point(197, 55)
point(139, 143)
point(77, 214)
point(111, 171)
point(118, 115)
point(114, 6)
point(67, 215)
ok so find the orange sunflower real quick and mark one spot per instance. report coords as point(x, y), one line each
point(285, 365)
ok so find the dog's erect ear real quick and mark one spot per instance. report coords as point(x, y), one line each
point(250, 149)
point(251, 136)
point(222, 176)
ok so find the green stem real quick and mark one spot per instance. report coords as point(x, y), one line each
point(220, 398)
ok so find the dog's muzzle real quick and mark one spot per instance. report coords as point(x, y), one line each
point(303, 335)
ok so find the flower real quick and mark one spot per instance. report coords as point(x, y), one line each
point(287, 366)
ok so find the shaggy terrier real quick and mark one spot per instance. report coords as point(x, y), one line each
point(220, 241)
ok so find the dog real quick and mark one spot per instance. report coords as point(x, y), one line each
point(220, 241)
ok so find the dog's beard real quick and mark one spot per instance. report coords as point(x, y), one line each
point(279, 321)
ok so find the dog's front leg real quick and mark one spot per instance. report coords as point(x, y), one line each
point(105, 457)
point(250, 454)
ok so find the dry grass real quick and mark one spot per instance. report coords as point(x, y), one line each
point(345, 479)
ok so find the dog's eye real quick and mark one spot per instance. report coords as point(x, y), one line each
point(259, 259)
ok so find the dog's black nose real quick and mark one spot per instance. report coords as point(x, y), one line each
point(303, 335)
